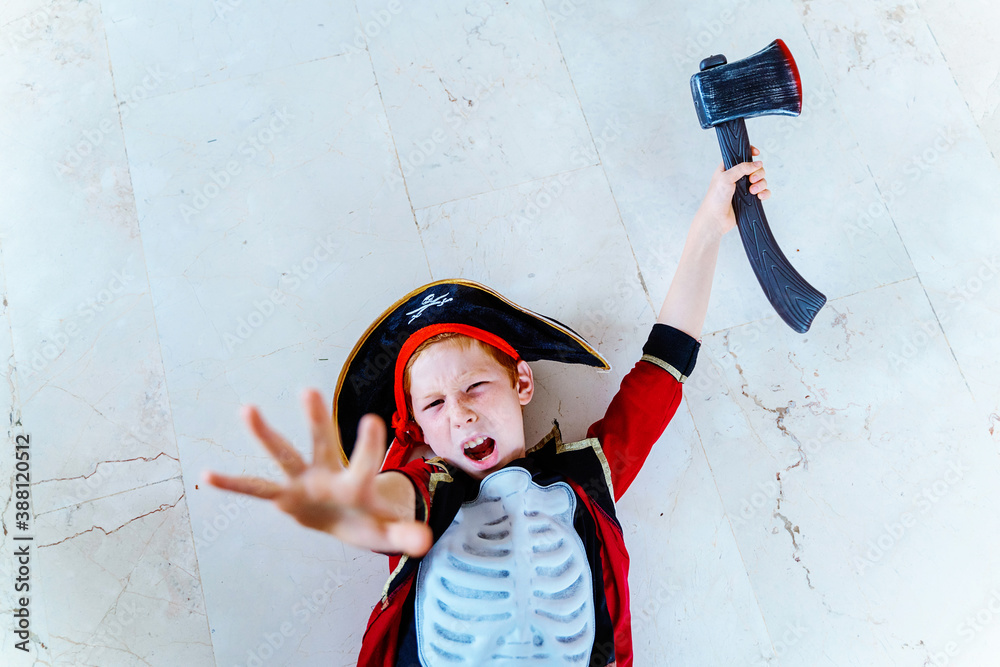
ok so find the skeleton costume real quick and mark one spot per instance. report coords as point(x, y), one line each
point(529, 565)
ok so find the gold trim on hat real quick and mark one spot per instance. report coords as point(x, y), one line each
point(450, 281)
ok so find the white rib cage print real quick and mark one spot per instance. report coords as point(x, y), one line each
point(508, 582)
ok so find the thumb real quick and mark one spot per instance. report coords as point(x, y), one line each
point(742, 169)
point(411, 537)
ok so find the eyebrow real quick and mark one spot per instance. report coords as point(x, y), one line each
point(471, 375)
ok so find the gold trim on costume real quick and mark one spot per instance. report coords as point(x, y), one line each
point(385, 589)
point(435, 478)
point(595, 444)
point(553, 433)
point(575, 445)
point(665, 366)
point(426, 506)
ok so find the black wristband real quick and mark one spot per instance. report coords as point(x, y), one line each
point(674, 349)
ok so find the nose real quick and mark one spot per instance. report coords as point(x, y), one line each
point(462, 412)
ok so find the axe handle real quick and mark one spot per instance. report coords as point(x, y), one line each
point(795, 300)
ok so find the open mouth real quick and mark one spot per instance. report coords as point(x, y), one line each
point(480, 451)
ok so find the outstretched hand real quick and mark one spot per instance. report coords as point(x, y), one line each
point(346, 502)
point(717, 207)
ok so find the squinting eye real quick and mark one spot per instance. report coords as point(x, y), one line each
point(431, 405)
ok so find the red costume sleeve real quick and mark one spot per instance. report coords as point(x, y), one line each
point(380, 643)
point(419, 472)
point(646, 401)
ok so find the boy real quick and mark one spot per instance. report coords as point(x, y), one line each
point(498, 552)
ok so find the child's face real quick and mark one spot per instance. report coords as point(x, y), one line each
point(458, 393)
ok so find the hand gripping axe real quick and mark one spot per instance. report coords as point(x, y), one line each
point(724, 94)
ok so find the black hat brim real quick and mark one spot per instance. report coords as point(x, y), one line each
point(366, 382)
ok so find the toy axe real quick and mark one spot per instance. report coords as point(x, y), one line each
point(724, 94)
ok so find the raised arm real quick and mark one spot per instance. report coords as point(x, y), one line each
point(650, 393)
point(687, 299)
point(356, 504)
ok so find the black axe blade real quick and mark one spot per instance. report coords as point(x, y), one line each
point(724, 95)
point(765, 83)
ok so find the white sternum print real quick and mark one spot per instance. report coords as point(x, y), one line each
point(508, 582)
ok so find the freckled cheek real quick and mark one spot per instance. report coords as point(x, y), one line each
point(435, 430)
point(430, 428)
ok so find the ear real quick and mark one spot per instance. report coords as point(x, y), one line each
point(525, 382)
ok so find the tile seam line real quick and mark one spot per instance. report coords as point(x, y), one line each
point(958, 88)
point(725, 513)
point(600, 161)
point(923, 288)
point(31, 13)
point(540, 179)
point(11, 369)
point(233, 79)
point(652, 306)
point(156, 325)
point(395, 149)
point(878, 188)
point(830, 301)
point(112, 495)
point(972, 117)
point(857, 142)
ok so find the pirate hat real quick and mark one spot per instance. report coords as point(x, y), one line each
point(371, 379)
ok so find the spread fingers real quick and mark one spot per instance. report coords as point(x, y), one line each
point(283, 452)
point(369, 450)
point(326, 443)
point(251, 486)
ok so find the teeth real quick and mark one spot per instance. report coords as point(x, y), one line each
point(473, 443)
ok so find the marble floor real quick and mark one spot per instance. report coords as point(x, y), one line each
point(206, 203)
